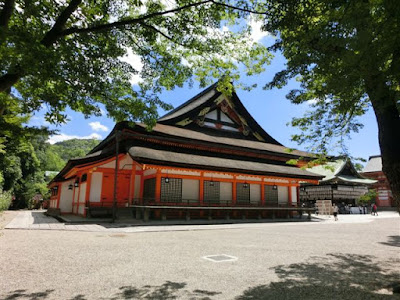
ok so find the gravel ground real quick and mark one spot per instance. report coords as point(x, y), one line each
point(274, 261)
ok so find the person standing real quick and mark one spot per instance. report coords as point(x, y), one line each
point(335, 211)
point(375, 210)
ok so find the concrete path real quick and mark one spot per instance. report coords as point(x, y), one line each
point(37, 220)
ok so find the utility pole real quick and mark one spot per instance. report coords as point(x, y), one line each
point(114, 210)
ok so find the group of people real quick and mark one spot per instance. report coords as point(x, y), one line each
point(374, 210)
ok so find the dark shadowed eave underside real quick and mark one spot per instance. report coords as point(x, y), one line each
point(146, 155)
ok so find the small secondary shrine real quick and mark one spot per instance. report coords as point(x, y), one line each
point(208, 158)
point(342, 184)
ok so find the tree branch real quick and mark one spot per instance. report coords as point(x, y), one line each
point(124, 23)
point(163, 34)
point(52, 35)
point(239, 8)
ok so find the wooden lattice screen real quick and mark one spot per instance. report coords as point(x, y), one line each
point(271, 194)
point(171, 190)
point(242, 193)
point(211, 191)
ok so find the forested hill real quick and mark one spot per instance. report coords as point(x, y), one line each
point(59, 153)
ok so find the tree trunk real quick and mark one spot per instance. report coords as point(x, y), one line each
point(387, 116)
point(7, 81)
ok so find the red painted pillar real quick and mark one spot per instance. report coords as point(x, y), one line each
point(157, 196)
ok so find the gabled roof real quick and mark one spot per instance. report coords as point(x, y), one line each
point(217, 114)
point(146, 155)
point(374, 164)
point(340, 170)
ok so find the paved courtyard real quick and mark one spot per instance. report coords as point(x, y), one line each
point(357, 257)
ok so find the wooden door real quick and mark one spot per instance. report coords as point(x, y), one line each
point(107, 193)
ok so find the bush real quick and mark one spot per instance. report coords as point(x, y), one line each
point(5, 200)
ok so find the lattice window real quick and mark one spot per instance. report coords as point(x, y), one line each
point(211, 191)
point(271, 194)
point(149, 189)
point(242, 193)
point(84, 177)
point(171, 190)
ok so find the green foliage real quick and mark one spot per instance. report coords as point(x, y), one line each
point(344, 54)
point(69, 55)
point(369, 197)
point(5, 200)
point(74, 148)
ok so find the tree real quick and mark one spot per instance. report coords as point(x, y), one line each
point(69, 54)
point(346, 56)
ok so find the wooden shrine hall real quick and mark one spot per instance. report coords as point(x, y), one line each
point(208, 158)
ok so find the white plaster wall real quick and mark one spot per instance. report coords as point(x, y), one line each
point(76, 194)
point(294, 194)
point(217, 175)
point(212, 115)
point(249, 178)
point(180, 172)
point(225, 191)
point(96, 186)
point(66, 197)
point(255, 193)
point(190, 189)
point(225, 118)
point(81, 209)
point(283, 194)
point(276, 180)
point(137, 186)
point(110, 164)
point(126, 163)
point(149, 172)
point(82, 192)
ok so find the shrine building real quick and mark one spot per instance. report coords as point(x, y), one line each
point(208, 158)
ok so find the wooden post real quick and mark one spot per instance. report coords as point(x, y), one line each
point(262, 193)
point(157, 196)
point(114, 210)
point(87, 196)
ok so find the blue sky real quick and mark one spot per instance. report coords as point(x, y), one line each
point(269, 108)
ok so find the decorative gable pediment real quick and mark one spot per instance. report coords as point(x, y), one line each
point(214, 113)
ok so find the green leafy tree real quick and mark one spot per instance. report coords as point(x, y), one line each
point(73, 148)
point(369, 197)
point(346, 56)
point(69, 55)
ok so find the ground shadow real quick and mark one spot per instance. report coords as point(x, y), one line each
point(335, 276)
point(24, 294)
point(394, 240)
point(39, 217)
point(167, 291)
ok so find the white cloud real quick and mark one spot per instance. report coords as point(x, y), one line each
point(256, 33)
point(63, 137)
point(136, 62)
point(38, 121)
point(312, 101)
point(96, 126)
